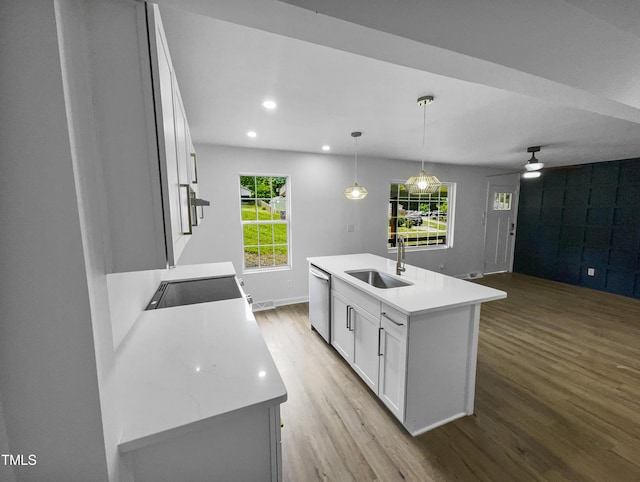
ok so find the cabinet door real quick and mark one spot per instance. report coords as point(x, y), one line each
point(172, 142)
point(365, 351)
point(182, 141)
point(169, 152)
point(341, 334)
point(192, 161)
point(393, 366)
point(182, 160)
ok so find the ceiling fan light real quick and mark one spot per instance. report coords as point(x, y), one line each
point(531, 174)
point(534, 166)
point(355, 192)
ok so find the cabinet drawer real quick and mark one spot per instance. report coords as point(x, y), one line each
point(357, 297)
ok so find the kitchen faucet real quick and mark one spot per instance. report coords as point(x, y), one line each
point(400, 258)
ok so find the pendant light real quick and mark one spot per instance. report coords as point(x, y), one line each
point(355, 191)
point(533, 166)
point(423, 183)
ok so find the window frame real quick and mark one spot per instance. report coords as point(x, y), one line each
point(451, 209)
point(258, 222)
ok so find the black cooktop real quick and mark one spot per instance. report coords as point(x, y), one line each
point(192, 291)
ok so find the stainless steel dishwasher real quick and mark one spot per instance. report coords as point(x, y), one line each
point(320, 301)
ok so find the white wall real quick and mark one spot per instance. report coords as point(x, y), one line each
point(73, 103)
point(6, 473)
point(48, 382)
point(90, 33)
point(320, 213)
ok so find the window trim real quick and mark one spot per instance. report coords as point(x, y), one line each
point(451, 213)
point(287, 222)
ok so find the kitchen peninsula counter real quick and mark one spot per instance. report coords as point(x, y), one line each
point(187, 369)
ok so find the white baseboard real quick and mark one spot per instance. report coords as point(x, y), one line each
point(468, 276)
point(272, 304)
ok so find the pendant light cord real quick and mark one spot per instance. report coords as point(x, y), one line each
point(356, 174)
point(424, 131)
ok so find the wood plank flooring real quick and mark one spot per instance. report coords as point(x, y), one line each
point(557, 397)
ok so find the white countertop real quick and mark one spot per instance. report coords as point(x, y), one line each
point(180, 367)
point(430, 291)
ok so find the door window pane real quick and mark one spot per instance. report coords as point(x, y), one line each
point(502, 201)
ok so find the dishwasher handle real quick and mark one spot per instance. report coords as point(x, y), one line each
point(318, 274)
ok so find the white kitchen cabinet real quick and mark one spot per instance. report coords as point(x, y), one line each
point(174, 142)
point(242, 445)
point(365, 329)
point(144, 145)
point(354, 330)
point(341, 336)
point(393, 361)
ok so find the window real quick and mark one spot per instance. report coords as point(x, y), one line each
point(502, 201)
point(424, 220)
point(265, 222)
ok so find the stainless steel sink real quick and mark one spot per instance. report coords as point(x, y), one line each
point(378, 279)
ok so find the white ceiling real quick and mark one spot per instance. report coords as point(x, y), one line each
point(335, 77)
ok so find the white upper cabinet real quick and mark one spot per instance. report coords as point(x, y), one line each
point(176, 153)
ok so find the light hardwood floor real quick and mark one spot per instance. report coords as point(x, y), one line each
point(557, 397)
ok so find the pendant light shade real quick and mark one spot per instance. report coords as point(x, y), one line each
point(423, 183)
point(355, 191)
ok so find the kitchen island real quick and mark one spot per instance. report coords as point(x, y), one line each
point(414, 345)
point(200, 394)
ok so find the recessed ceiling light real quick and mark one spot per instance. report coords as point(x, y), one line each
point(326, 148)
point(269, 104)
point(251, 134)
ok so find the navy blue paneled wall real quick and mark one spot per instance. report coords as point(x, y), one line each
point(581, 217)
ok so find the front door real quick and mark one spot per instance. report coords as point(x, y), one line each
point(500, 223)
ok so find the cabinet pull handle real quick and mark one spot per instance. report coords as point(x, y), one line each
point(195, 169)
point(391, 319)
point(188, 192)
point(380, 330)
point(351, 310)
point(348, 317)
point(193, 207)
